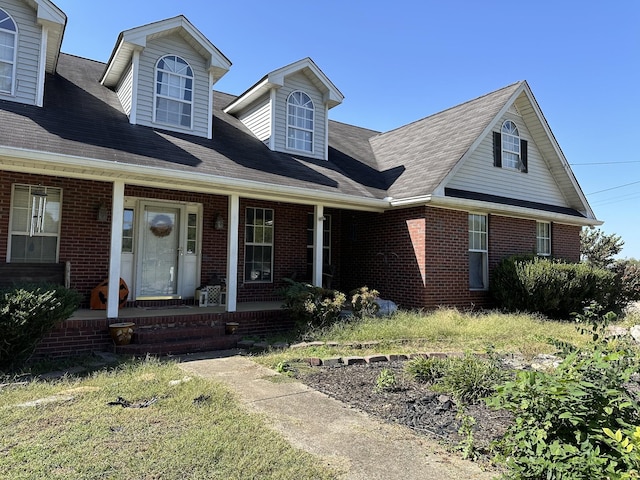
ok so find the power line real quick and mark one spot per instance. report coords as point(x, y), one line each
point(605, 163)
point(614, 188)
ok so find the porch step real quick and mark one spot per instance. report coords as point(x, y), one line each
point(175, 340)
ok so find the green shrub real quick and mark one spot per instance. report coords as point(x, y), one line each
point(312, 307)
point(562, 418)
point(627, 274)
point(386, 381)
point(553, 288)
point(426, 369)
point(28, 313)
point(470, 379)
point(363, 302)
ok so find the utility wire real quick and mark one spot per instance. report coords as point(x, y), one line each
point(614, 188)
point(605, 163)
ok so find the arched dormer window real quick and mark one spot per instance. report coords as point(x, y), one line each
point(8, 39)
point(510, 145)
point(300, 122)
point(174, 92)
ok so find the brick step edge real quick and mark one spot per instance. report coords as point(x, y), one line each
point(179, 347)
point(156, 335)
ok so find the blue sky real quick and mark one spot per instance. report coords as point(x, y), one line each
point(396, 62)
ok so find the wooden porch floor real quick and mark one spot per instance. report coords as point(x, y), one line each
point(182, 310)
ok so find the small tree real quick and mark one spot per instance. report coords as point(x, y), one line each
point(598, 248)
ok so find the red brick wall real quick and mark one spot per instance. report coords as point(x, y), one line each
point(510, 236)
point(565, 242)
point(84, 241)
point(377, 251)
point(432, 243)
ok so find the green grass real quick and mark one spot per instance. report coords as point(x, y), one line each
point(80, 436)
point(443, 330)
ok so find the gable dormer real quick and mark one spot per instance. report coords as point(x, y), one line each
point(288, 109)
point(164, 73)
point(30, 35)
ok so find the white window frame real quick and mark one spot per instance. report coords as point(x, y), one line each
point(263, 242)
point(479, 244)
point(12, 62)
point(297, 129)
point(36, 218)
point(175, 75)
point(511, 155)
point(543, 239)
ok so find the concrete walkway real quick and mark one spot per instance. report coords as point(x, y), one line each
point(346, 439)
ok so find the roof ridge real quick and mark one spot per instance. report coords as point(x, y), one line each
point(519, 82)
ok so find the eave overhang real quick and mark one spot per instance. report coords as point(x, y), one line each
point(38, 162)
point(495, 208)
point(50, 16)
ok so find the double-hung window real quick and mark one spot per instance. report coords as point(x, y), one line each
point(478, 258)
point(8, 39)
point(300, 122)
point(258, 245)
point(35, 224)
point(174, 92)
point(543, 238)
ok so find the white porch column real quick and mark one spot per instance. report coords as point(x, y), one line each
point(232, 252)
point(117, 217)
point(318, 234)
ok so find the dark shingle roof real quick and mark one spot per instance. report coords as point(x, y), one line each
point(429, 148)
point(85, 119)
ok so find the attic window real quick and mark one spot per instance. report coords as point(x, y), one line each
point(509, 150)
point(510, 145)
point(174, 92)
point(300, 122)
point(8, 37)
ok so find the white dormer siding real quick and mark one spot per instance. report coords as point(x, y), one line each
point(156, 49)
point(124, 90)
point(300, 82)
point(27, 68)
point(257, 118)
point(479, 174)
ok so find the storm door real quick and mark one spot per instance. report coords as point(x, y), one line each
point(160, 252)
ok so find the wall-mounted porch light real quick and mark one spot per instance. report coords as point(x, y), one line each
point(103, 213)
point(218, 222)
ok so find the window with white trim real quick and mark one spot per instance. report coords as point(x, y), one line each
point(510, 145)
point(258, 245)
point(8, 40)
point(478, 249)
point(300, 113)
point(128, 230)
point(326, 242)
point(174, 92)
point(543, 238)
point(35, 224)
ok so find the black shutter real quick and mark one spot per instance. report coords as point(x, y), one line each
point(497, 149)
point(523, 156)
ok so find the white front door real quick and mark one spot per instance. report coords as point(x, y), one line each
point(160, 248)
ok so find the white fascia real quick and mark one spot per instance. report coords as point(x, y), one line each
point(495, 209)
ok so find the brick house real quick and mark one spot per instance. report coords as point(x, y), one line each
point(139, 169)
